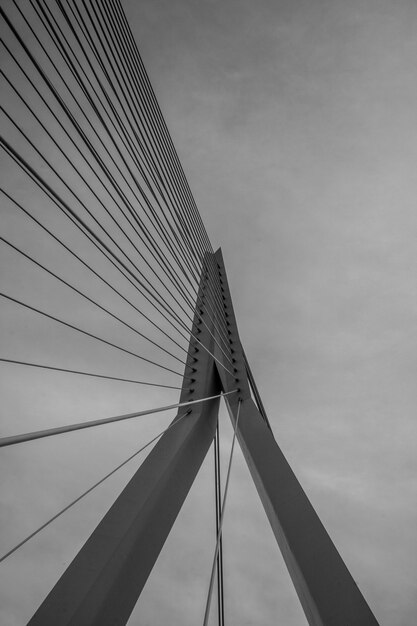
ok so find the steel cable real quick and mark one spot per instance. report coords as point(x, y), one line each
point(89, 490)
point(88, 334)
point(165, 309)
point(94, 375)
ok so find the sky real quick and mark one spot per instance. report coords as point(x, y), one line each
point(295, 123)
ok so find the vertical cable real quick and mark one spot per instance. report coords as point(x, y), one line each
point(219, 534)
point(218, 498)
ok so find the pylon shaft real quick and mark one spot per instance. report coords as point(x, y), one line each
point(102, 584)
point(326, 589)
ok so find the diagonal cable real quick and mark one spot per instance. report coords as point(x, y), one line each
point(89, 490)
point(94, 375)
point(88, 334)
point(60, 430)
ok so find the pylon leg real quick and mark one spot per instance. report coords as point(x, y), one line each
point(327, 591)
point(102, 584)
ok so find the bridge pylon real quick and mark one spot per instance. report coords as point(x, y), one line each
point(102, 584)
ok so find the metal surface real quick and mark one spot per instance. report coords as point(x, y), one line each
point(326, 589)
point(103, 583)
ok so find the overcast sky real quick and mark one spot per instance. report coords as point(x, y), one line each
point(296, 126)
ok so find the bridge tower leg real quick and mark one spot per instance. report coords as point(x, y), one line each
point(326, 589)
point(102, 584)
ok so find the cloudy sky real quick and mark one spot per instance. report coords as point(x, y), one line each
point(296, 126)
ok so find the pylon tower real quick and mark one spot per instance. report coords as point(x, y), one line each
point(103, 583)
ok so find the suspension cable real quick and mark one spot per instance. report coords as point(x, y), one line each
point(69, 371)
point(116, 92)
point(219, 534)
point(154, 251)
point(84, 227)
point(38, 69)
point(80, 225)
point(64, 53)
point(59, 430)
point(85, 264)
point(90, 489)
point(218, 499)
point(163, 133)
point(88, 334)
point(133, 79)
point(79, 292)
